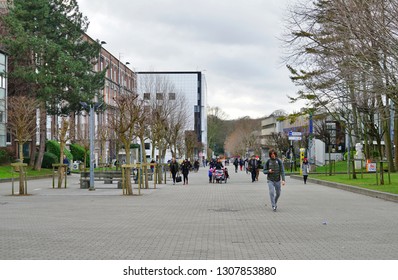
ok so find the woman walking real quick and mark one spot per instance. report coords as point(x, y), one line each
point(174, 169)
point(305, 167)
point(185, 167)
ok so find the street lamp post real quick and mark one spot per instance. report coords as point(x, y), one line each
point(91, 109)
point(100, 117)
point(92, 159)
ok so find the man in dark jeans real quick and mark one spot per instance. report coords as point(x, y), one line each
point(253, 165)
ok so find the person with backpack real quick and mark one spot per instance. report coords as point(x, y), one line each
point(275, 172)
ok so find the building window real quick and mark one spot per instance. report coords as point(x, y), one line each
point(147, 146)
point(8, 136)
point(147, 96)
point(2, 81)
point(159, 96)
point(172, 96)
point(1, 116)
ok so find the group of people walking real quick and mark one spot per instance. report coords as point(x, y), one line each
point(273, 168)
point(175, 168)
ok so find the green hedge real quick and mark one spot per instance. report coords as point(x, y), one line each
point(5, 156)
point(78, 153)
point(48, 160)
point(54, 147)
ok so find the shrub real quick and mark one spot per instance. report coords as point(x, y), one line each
point(77, 152)
point(5, 156)
point(352, 154)
point(48, 160)
point(54, 147)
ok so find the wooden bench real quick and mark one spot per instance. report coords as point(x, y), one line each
point(107, 176)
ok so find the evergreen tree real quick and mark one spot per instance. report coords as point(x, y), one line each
point(49, 58)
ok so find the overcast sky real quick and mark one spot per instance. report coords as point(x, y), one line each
point(235, 43)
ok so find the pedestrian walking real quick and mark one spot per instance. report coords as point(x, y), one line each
point(259, 166)
point(241, 163)
point(236, 163)
point(252, 166)
point(210, 174)
point(185, 167)
point(275, 172)
point(305, 167)
point(174, 169)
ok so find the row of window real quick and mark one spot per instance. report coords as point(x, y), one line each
point(160, 96)
point(114, 73)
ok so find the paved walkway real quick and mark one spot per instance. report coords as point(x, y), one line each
point(198, 221)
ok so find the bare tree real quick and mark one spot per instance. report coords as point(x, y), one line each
point(63, 138)
point(278, 141)
point(347, 54)
point(244, 137)
point(22, 123)
point(177, 123)
point(124, 122)
point(191, 142)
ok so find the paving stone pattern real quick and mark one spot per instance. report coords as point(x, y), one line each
point(201, 221)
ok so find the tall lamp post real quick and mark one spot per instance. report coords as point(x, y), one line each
point(91, 109)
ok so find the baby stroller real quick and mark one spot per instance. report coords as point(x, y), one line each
point(219, 176)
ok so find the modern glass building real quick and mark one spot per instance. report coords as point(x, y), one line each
point(190, 84)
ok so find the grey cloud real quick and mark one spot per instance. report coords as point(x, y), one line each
point(234, 41)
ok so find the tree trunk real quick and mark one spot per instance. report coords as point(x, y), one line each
point(127, 174)
point(32, 150)
point(396, 137)
point(42, 144)
point(21, 170)
point(61, 170)
point(144, 162)
point(72, 126)
point(387, 136)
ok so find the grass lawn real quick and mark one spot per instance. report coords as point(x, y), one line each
point(367, 180)
point(6, 172)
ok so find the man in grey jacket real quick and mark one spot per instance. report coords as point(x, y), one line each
point(275, 172)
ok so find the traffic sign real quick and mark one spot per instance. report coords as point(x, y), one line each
point(295, 133)
point(294, 138)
